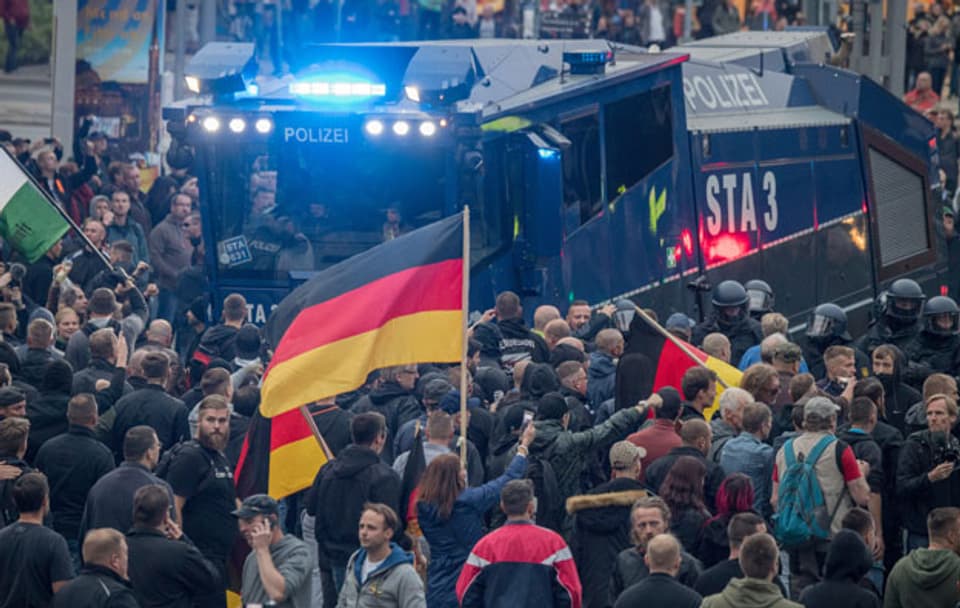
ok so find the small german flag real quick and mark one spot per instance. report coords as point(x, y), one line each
point(398, 303)
point(673, 357)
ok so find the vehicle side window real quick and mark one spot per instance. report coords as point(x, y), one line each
point(638, 136)
point(581, 165)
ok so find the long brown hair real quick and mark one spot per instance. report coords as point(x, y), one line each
point(683, 487)
point(441, 484)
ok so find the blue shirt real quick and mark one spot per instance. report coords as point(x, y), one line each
point(748, 455)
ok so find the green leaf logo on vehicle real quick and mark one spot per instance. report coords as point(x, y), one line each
point(658, 204)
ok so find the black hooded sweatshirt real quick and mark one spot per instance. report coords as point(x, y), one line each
point(898, 396)
point(637, 368)
point(848, 560)
point(396, 404)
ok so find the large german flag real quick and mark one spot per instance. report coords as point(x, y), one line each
point(398, 303)
point(672, 362)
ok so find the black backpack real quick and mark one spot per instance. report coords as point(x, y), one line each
point(8, 509)
point(547, 490)
point(163, 467)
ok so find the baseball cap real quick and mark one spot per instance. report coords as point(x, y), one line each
point(678, 320)
point(820, 407)
point(257, 504)
point(788, 352)
point(624, 455)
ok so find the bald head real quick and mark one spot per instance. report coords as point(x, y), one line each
point(107, 548)
point(554, 331)
point(696, 433)
point(610, 341)
point(543, 315)
point(160, 332)
point(577, 343)
point(663, 554)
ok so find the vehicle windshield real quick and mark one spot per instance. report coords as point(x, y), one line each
point(303, 208)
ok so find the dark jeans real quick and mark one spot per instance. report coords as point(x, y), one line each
point(938, 75)
point(14, 38)
point(806, 564)
point(339, 576)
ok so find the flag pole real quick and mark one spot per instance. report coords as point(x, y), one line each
point(305, 412)
point(676, 342)
point(465, 303)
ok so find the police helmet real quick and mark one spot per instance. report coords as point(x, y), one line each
point(730, 295)
point(623, 316)
point(827, 321)
point(903, 301)
point(941, 316)
point(761, 296)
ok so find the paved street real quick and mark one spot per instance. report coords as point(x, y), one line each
point(25, 102)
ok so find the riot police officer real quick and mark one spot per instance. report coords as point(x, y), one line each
point(937, 347)
point(899, 322)
point(828, 327)
point(730, 317)
point(760, 296)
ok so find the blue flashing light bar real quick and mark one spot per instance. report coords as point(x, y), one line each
point(587, 62)
point(548, 153)
point(330, 89)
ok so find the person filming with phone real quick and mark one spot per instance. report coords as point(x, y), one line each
point(926, 471)
point(841, 378)
point(277, 572)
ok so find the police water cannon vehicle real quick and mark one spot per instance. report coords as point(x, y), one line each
point(593, 171)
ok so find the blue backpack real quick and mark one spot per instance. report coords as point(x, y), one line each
point(801, 507)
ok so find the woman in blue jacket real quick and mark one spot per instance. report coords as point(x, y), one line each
point(451, 517)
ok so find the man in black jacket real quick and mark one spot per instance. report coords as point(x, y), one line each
point(660, 588)
point(37, 352)
point(601, 522)
point(714, 579)
point(73, 463)
point(696, 436)
point(102, 362)
point(863, 419)
point(166, 569)
point(888, 363)
point(110, 500)
point(356, 477)
point(927, 473)
point(395, 401)
point(519, 342)
point(102, 582)
point(150, 405)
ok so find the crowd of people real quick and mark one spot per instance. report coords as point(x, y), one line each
point(826, 477)
point(279, 30)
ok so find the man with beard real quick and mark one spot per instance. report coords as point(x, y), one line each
point(649, 517)
point(204, 496)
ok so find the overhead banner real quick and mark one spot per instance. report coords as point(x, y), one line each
point(119, 62)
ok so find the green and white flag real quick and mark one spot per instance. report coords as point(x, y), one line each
point(28, 221)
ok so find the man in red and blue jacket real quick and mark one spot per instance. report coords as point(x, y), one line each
point(520, 560)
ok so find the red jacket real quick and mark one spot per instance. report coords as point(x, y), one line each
point(17, 11)
point(520, 560)
point(657, 439)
